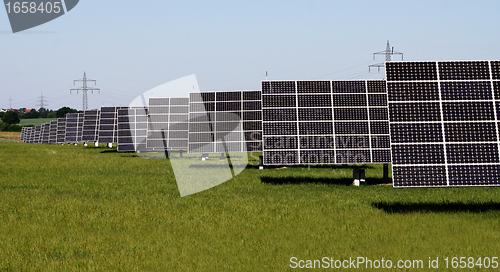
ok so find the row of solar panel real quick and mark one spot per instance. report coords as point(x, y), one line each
point(440, 119)
point(165, 124)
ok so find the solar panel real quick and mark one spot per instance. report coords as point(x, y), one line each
point(79, 132)
point(132, 129)
point(61, 130)
point(168, 123)
point(45, 133)
point(53, 132)
point(37, 135)
point(108, 124)
point(223, 122)
point(444, 123)
point(90, 126)
point(23, 134)
point(71, 132)
point(325, 122)
point(29, 135)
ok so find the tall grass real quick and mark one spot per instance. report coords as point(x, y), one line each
point(71, 208)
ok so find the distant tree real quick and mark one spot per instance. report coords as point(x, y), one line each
point(51, 114)
point(32, 114)
point(61, 113)
point(43, 113)
point(11, 118)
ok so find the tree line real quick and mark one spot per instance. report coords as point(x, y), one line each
point(11, 119)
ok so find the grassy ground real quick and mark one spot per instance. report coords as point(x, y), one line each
point(74, 208)
point(36, 121)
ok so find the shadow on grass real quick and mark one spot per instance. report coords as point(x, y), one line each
point(108, 150)
point(403, 208)
point(322, 166)
point(306, 180)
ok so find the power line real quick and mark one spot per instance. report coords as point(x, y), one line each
point(85, 89)
point(42, 103)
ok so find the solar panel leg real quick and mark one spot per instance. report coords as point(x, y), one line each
point(110, 145)
point(386, 172)
point(261, 162)
point(180, 153)
point(222, 156)
point(358, 175)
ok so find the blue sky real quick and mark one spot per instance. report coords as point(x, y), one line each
point(130, 47)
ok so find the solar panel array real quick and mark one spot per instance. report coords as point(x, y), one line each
point(168, 123)
point(444, 123)
point(325, 122)
point(132, 129)
point(225, 122)
point(90, 126)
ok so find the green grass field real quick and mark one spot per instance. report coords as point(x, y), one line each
point(36, 121)
point(75, 208)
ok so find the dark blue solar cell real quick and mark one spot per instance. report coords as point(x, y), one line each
point(468, 90)
point(412, 91)
point(316, 142)
point(313, 87)
point(278, 101)
point(288, 142)
point(288, 157)
point(416, 133)
point(419, 176)
point(471, 132)
point(411, 112)
point(463, 70)
point(418, 154)
point(317, 157)
point(404, 71)
point(468, 111)
point(279, 115)
point(472, 153)
point(474, 175)
point(354, 156)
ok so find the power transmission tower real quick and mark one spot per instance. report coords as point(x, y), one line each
point(10, 103)
point(42, 102)
point(85, 89)
point(389, 53)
